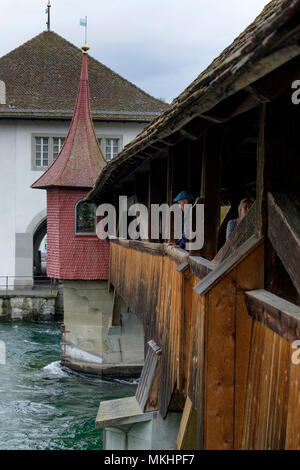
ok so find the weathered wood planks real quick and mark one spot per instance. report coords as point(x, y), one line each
point(148, 375)
point(186, 439)
point(284, 231)
point(226, 349)
point(277, 314)
point(158, 287)
point(233, 367)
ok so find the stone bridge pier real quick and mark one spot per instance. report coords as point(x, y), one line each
point(100, 336)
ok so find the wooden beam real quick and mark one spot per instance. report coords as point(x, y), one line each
point(116, 311)
point(159, 145)
point(244, 230)
point(188, 135)
point(277, 314)
point(143, 246)
point(167, 143)
point(219, 379)
point(260, 97)
point(211, 190)
point(224, 268)
point(169, 195)
point(200, 266)
point(260, 175)
point(157, 178)
point(284, 232)
point(145, 395)
point(186, 439)
point(215, 119)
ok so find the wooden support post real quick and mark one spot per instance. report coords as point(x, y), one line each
point(278, 167)
point(210, 190)
point(170, 189)
point(157, 177)
point(186, 439)
point(116, 311)
point(260, 175)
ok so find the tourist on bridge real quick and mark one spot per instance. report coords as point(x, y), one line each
point(243, 209)
point(184, 198)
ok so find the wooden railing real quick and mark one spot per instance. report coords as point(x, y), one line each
point(232, 365)
point(157, 282)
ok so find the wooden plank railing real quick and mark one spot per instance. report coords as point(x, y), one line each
point(146, 276)
point(272, 408)
point(229, 357)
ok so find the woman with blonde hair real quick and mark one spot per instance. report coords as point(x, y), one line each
point(243, 208)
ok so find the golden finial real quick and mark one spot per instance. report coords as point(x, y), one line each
point(85, 48)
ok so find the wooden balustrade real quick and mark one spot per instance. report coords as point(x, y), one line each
point(213, 344)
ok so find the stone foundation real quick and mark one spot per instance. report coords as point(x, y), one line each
point(90, 343)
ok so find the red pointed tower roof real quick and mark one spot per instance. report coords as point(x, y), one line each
point(80, 160)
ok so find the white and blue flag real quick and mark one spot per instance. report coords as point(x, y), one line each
point(82, 22)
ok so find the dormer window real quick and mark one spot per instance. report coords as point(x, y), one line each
point(85, 218)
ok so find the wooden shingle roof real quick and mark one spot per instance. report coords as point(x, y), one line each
point(41, 79)
point(270, 41)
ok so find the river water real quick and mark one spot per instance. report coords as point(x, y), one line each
point(42, 405)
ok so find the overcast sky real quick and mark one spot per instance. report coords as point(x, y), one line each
point(160, 45)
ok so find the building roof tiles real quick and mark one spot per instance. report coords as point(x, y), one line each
point(41, 78)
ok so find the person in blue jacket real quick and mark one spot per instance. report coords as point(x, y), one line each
point(183, 198)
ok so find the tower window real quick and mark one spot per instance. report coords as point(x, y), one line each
point(85, 218)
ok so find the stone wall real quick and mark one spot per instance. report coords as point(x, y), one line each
point(27, 307)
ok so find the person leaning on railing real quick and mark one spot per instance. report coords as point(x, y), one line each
point(243, 208)
point(183, 198)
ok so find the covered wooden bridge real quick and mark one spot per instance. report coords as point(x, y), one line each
point(220, 325)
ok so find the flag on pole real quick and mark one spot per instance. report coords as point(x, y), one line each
point(82, 22)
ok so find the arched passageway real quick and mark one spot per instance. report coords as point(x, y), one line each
point(39, 258)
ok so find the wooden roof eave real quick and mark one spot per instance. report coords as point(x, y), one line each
point(202, 101)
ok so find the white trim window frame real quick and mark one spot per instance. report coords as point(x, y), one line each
point(109, 148)
point(41, 152)
point(58, 142)
point(39, 160)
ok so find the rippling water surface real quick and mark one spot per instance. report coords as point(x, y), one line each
point(43, 405)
